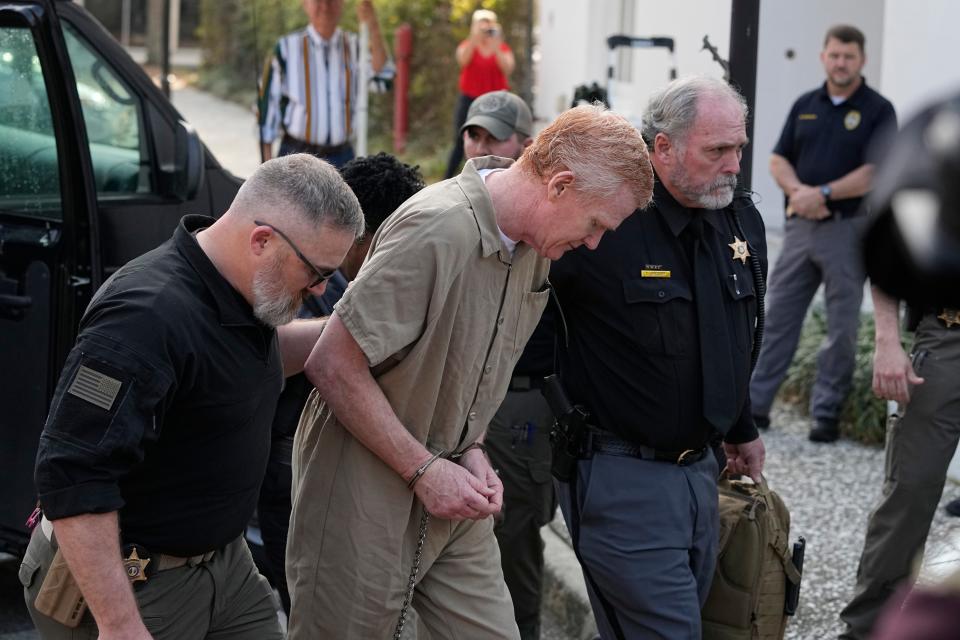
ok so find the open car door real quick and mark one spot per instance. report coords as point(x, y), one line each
point(47, 240)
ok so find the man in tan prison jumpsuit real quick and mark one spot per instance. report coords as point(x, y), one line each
point(414, 362)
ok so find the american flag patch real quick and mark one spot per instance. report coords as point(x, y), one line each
point(95, 387)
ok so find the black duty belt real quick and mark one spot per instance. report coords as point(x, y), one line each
point(526, 383)
point(601, 442)
point(316, 149)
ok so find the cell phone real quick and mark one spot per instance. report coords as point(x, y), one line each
point(792, 599)
point(491, 32)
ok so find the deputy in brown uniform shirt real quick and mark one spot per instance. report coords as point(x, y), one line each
point(414, 363)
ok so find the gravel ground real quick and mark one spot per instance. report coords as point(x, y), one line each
point(830, 490)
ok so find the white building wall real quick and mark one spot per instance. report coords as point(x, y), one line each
point(572, 46)
point(571, 51)
point(686, 21)
point(922, 51)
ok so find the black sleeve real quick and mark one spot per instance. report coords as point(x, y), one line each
point(104, 411)
point(784, 146)
point(563, 275)
point(884, 131)
point(888, 118)
point(744, 429)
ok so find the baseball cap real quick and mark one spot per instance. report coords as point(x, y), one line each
point(501, 113)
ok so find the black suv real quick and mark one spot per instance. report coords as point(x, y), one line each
point(96, 167)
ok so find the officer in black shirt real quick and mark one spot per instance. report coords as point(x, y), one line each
point(159, 429)
point(661, 321)
point(820, 161)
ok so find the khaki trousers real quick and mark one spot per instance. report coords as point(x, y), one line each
point(352, 540)
point(223, 599)
point(920, 445)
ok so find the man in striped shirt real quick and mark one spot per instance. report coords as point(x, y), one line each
point(309, 89)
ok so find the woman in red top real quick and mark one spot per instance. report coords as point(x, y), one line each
point(485, 63)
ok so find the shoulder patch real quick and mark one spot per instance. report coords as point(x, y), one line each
point(96, 388)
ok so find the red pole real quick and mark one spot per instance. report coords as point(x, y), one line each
point(403, 50)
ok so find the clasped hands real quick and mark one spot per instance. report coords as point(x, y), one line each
point(807, 202)
point(466, 490)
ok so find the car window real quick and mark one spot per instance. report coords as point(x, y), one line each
point(29, 171)
point(112, 115)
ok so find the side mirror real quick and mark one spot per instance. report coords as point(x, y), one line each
point(188, 170)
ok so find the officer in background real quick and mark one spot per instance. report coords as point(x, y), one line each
point(381, 183)
point(159, 429)
point(311, 82)
point(500, 123)
point(922, 167)
point(820, 162)
point(661, 323)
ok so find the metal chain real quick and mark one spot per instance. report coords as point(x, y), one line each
point(414, 570)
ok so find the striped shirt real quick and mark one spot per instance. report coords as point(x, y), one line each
point(309, 87)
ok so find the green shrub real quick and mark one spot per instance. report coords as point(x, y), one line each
point(863, 417)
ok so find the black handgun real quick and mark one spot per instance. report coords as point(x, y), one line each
point(568, 430)
point(792, 599)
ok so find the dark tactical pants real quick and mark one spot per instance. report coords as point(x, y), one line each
point(273, 514)
point(813, 252)
point(920, 444)
point(222, 599)
point(518, 441)
point(647, 534)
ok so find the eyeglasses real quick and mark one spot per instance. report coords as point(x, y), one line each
point(322, 276)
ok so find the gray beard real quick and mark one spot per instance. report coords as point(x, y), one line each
point(273, 305)
point(706, 196)
point(717, 200)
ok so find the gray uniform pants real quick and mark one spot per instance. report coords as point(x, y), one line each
point(920, 445)
point(225, 598)
point(647, 535)
point(518, 441)
point(813, 252)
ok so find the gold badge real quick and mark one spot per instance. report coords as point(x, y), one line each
point(740, 251)
point(852, 120)
point(654, 273)
point(950, 317)
point(135, 566)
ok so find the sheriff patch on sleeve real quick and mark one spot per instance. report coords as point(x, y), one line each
point(96, 388)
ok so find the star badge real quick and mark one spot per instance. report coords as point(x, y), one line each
point(740, 251)
point(135, 566)
point(950, 317)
